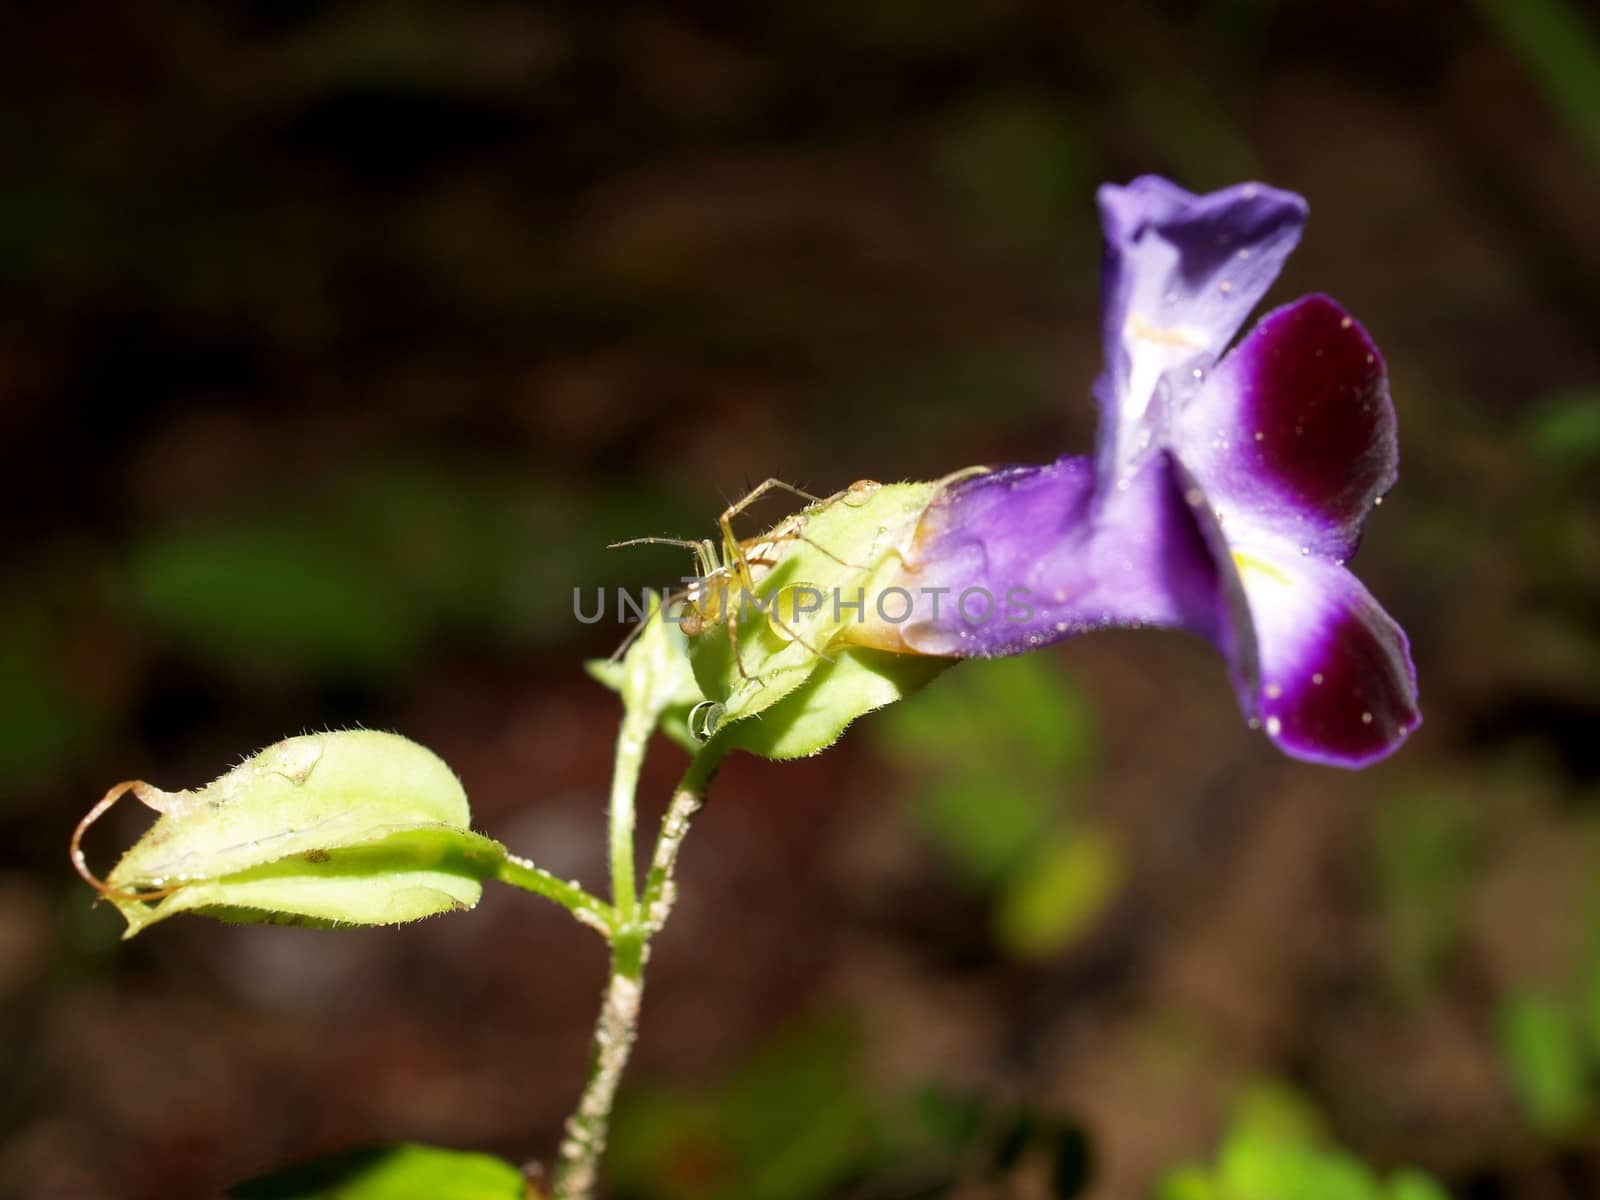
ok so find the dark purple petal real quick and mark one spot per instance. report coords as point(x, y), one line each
point(1037, 562)
point(1336, 681)
point(1181, 274)
point(1293, 432)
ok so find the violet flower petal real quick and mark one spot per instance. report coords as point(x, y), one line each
point(1337, 683)
point(1226, 496)
point(1181, 274)
point(1021, 557)
point(1293, 433)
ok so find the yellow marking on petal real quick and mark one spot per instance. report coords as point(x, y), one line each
point(1249, 564)
point(1138, 327)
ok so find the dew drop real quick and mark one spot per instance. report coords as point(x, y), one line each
point(1254, 723)
point(1260, 436)
point(1195, 497)
point(1304, 551)
point(1244, 254)
point(1273, 691)
point(1366, 718)
point(1274, 727)
point(1376, 500)
point(1317, 678)
point(1225, 287)
point(1346, 323)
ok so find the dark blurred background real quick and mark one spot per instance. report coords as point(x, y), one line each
point(335, 343)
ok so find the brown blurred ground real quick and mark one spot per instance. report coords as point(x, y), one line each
point(449, 296)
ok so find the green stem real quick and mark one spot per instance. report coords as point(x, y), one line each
point(616, 1028)
point(686, 800)
point(520, 873)
point(631, 741)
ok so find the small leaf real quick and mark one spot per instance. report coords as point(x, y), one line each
point(356, 827)
point(403, 1172)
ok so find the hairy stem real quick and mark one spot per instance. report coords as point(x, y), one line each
point(520, 873)
point(616, 1028)
point(631, 741)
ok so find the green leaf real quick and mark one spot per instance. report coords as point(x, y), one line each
point(402, 1172)
point(356, 827)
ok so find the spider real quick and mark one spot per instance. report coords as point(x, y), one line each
point(727, 574)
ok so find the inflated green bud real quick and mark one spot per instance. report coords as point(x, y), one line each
point(773, 631)
point(349, 828)
point(783, 599)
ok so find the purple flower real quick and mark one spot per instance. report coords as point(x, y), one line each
point(1227, 494)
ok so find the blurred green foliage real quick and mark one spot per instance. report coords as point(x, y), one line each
point(798, 1120)
point(1545, 1056)
point(793, 1121)
point(353, 577)
point(1564, 429)
point(1017, 162)
point(41, 718)
point(1549, 1040)
point(1423, 867)
point(997, 752)
point(349, 579)
point(1558, 47)
point(403, 1172)
point(1275, 1149)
